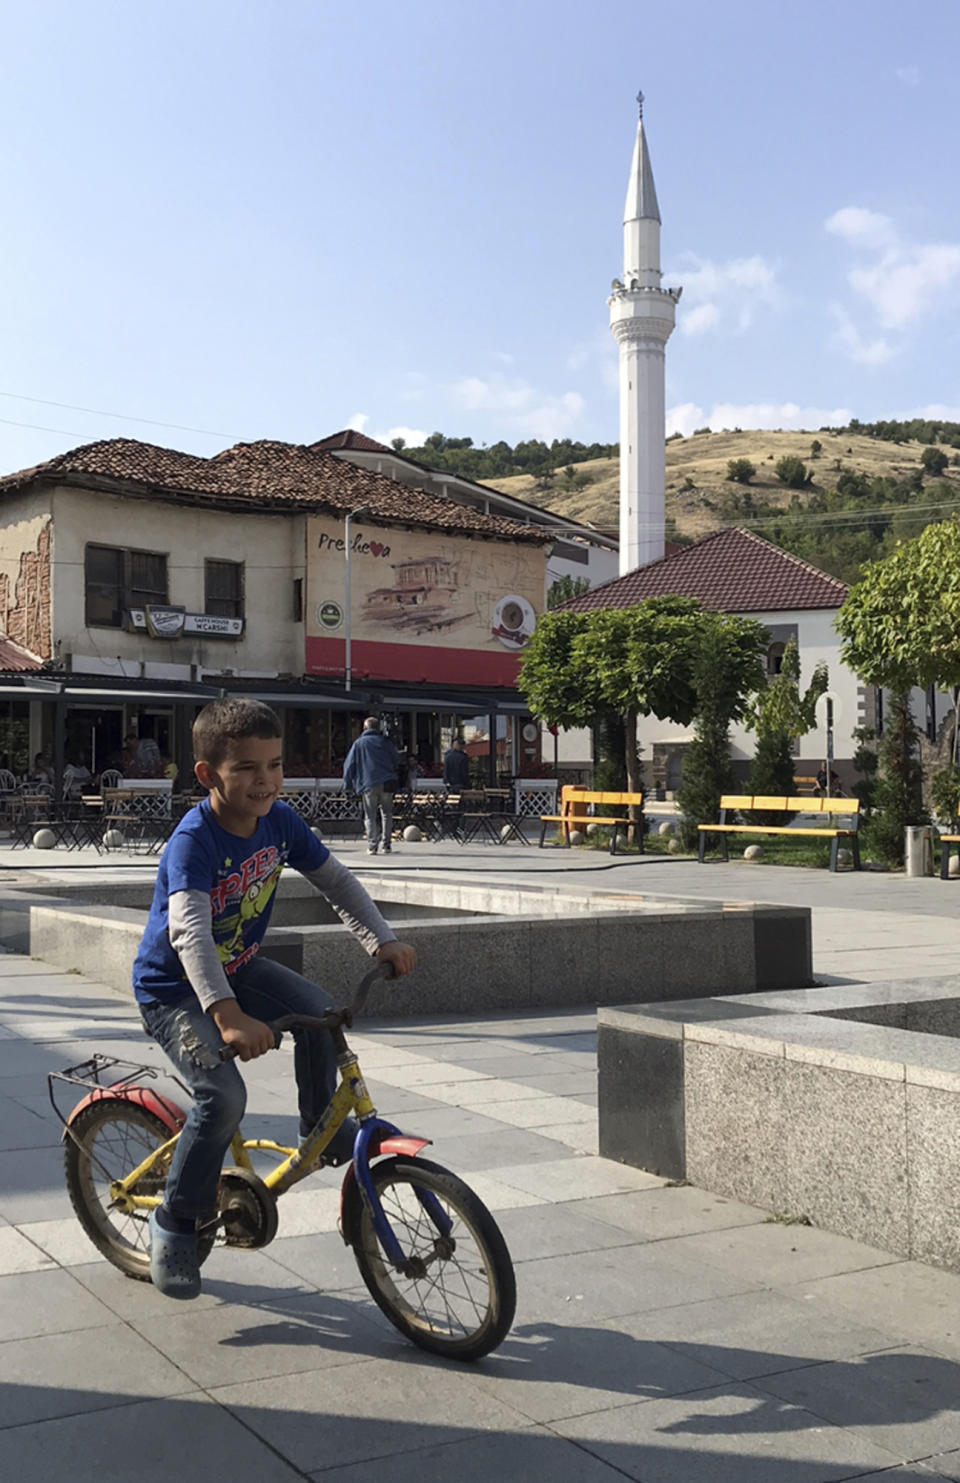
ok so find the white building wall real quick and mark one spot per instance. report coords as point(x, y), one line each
point(270, 546)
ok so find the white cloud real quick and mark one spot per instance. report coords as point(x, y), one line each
point(414, 437)
point(504, 357)
point(847, 337)
point(901, 282)
point(358, 421)
point(723, 294)
point(935, 411)
point(769, 415)
point(910, 76)
point(526, 412)
point(703, 317)
point(906, 280)
point(862, 228)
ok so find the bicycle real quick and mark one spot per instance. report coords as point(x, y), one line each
point(429, 1251)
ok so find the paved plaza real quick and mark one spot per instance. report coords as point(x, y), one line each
point(662, 1333)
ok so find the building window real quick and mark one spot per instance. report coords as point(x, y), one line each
point(775, 655)
point(223, 589)
point(297, 600)
point(116, 579)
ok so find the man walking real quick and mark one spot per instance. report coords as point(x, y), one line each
point(456, 767)
point(371, 770)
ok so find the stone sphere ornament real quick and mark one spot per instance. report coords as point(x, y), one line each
point(844, 857)
point(576, 837)
point(674, 846)
point(412, 834)
point(666, 828)
point(113, 839)
point(753, 852)
point(44, 839)
point(592, 829)
point(953, 869)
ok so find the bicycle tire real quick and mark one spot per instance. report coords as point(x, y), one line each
point(478, 1273)
point(117, 1134)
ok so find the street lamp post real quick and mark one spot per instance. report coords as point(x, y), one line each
point(353, 515)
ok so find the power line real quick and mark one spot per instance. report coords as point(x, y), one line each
point(99, 412)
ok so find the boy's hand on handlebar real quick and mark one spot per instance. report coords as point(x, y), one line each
point(400, 955)
point(248, 1037)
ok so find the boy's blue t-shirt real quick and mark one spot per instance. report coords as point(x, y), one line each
point(240, 875)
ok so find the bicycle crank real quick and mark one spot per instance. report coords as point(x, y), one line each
point(247, 1211)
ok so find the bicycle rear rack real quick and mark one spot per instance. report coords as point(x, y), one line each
point(92, 1076)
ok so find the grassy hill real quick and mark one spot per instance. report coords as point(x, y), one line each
point(700, 498)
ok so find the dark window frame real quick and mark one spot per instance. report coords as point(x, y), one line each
point(132, 584)
point(224, 604)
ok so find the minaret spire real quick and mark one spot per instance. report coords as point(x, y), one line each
point(642, 319)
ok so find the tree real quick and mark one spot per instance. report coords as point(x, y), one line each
point(792, 471)
point(580, 668)
point(934, 461)
point(741, 470)
point(816, 448)
point(565, 588)
point(901, 627)
point(727, 670)
point(398, 444)
point(778, 716)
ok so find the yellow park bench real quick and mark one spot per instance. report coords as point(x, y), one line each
point(739, 803)
point(575, 803)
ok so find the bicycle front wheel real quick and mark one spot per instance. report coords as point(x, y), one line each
point(461, 1300)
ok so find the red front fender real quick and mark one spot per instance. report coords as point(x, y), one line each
point(172, 1116)
point(392, 1143)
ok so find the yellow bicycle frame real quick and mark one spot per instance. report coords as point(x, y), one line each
point(351, 1096)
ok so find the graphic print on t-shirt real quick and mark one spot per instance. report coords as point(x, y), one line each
point(250, 889)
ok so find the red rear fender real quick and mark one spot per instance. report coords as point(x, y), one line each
point(168, 1112)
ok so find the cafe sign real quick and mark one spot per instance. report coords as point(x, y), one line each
point(168, 622)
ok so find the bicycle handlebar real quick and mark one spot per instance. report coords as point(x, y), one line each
point(332, 1020)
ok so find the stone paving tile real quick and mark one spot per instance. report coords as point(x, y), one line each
point(780, 1255)
point(538, 1231)
point(19, 1254)
point(564, 1083)
point(507, 1148)
point(575, 1179)
point(446, 1125)
point(32, 1185)
point(482, 1094)
point(727, 1435)
point(252, 1341)
point(549, 1371)
point(756, 1333)
point(145, 1440)
point(582, 1137)
point(43, 1302)
point(916, 1304)
point(906, 1400)
point(580, 1290)
point(370, 1409)
point(227, 1277)
point(660, 1214)
point(22, 1128)
point(513, 1457)
point(943, 1465)
point(63, 1241)
point(323, 1262)
point(38, 1376)
point(499, 1196)
point(543, 1112)
point(425, 1073)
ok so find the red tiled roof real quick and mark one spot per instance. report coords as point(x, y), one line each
point(731, 571)
point(13, 657)
point(264, 476)
point(351, 438)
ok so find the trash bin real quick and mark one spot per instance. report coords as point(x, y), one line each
point(918, 849)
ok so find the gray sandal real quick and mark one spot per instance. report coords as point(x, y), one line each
point(174, 1261)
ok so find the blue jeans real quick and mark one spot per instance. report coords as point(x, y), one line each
point(191, 1040)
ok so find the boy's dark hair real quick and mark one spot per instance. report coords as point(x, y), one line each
point(225, 721)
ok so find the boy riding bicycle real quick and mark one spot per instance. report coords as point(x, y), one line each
point(199, 981)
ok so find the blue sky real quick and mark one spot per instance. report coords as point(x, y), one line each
point(274, 220)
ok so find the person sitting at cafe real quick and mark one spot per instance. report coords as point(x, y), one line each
point(41, 771)
point(76, 775)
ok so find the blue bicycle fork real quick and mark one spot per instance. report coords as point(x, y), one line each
point(369, 1129)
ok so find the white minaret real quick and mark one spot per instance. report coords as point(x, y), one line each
point(641, 317)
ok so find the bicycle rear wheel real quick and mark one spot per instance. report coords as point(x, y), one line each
point(111, 1137)
point(461, 1301)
